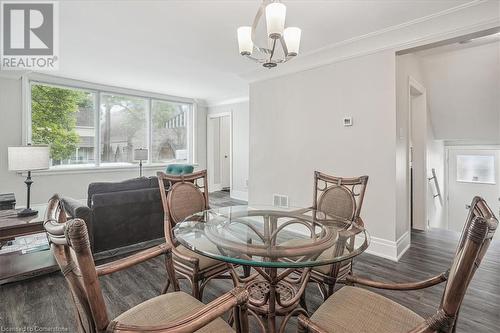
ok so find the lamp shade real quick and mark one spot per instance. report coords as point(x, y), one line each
point(292, 40)
point(140, 154)
point(245, 42)
point(28, 158)
point(275, 19)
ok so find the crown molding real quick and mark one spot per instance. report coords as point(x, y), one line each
point(467, 18)
point(236, 100)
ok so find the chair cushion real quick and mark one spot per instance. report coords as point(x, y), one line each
point(166, 308)
point(357, 310)
point(204, 262)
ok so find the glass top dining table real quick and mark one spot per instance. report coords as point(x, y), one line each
point(281, 244)
point(267, 236)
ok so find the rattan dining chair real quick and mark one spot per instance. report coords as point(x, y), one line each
point(174, 312)
point(183, 196)
point(337, 197)
point(357, 310)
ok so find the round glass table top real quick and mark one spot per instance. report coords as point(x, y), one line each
point(266, 236)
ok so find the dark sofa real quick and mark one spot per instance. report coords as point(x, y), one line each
point(120, 214)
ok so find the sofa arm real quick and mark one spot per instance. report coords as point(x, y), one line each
point(76, 209)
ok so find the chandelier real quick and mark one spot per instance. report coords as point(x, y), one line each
point(288, 38)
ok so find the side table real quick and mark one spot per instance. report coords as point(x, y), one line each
point(15, 266)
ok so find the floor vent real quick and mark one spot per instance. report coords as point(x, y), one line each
point(280, 200)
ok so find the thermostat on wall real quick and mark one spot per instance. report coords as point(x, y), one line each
point(347, 121)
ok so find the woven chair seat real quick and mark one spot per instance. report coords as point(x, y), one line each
point(357, 310)
point(204, 262)
point(166, 308)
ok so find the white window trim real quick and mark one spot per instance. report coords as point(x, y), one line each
point(30, 78)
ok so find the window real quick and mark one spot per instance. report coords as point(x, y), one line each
point(476, 169)
point(64, 118)
point(87, 127)
point(123, 127)
point(169, 131)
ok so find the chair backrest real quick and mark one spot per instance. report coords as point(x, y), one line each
point(337, 196)
point(69, 242)
point(476, 237)
point(182, 196)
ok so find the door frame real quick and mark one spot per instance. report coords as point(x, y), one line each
point(414, 85)
point(212, 186)
point(447, 171)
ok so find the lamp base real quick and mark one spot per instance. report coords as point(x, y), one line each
point(27, 212)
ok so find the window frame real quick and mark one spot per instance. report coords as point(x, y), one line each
point(29, 80)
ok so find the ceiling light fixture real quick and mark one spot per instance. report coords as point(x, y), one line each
point(288, 38)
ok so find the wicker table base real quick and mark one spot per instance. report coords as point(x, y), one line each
point(272, 294)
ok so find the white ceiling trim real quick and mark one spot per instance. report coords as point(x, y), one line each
point(236, 100)
point(467, 18)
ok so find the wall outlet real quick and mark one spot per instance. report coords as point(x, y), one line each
point(280, 200)
point(347, 121)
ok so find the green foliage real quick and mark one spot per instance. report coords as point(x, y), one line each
point(54, 118)
point(162, 112)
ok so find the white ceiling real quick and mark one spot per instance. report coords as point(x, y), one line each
point(463, 90)
point(189, 48)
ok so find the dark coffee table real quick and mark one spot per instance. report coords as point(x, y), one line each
point(12, 226)
point(17, 266)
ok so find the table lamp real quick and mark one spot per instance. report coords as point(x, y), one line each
point(140, 155)
point(28, 158)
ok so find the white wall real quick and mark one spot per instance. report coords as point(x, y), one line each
point(74, 184)
point(464, 89)
point(240, 131)
point(436, 210)
point(296, 127)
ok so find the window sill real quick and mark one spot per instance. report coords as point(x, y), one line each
point(100, 169)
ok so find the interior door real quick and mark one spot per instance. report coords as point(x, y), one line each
point(471, 172)
point(225, 151)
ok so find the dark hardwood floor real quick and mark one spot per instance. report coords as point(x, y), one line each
point(45, 302)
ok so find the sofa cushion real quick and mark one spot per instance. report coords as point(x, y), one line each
point(127, 217)
point(126, 185)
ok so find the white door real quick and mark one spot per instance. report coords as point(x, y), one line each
point(471, 172)
point(225, 151)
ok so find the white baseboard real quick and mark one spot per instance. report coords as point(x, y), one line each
point(239, 195)
point(403, 244)
point(392, 250)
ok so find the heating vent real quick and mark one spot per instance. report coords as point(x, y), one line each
point(280, 200)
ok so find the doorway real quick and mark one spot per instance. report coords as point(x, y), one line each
point(417, 151)
point(471, 171)
point(219, 151)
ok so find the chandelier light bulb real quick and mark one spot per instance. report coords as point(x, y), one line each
point(274, 14)
point(245, 42)
point(292, 40)
point(275, 19)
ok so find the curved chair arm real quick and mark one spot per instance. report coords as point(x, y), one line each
point(399, 286)
point(134, 259)
point(185, 258)
point(302, 210)
point(306, 325)
point(438, 322)
point(196, 320)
